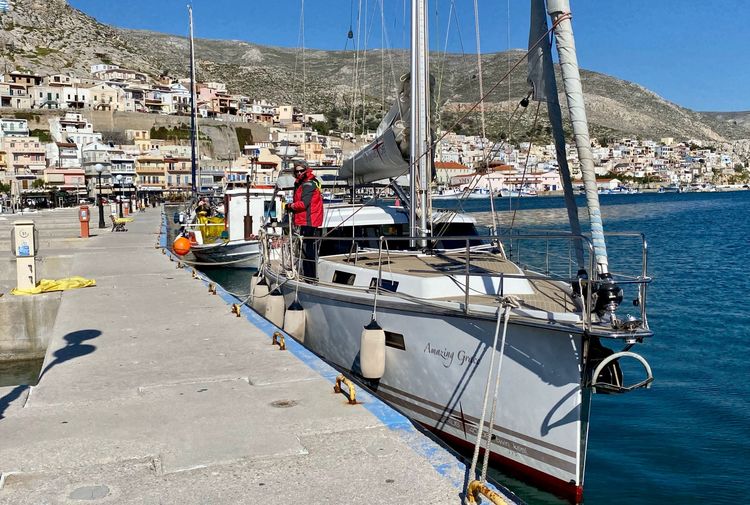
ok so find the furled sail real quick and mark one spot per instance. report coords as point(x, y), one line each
point(541, 79)
point(559, 12)
point(387, 156)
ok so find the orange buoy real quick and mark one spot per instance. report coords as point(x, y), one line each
point(181, 246)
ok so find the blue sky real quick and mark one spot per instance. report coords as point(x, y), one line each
point(695, 53)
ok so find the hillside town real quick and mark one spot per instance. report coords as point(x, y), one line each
point(68, 161)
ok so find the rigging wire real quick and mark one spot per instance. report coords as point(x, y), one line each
point(300, 50)
point(460, 119)
point(526, 164)
point(355, 88)
point(364, 69)
point(382, 57)
point(483, 120)
point(441, 66)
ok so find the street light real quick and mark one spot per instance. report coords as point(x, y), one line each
point(99, 168)
point(119, 194)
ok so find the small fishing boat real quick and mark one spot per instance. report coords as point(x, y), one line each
point(524, 192)
point(228, 235)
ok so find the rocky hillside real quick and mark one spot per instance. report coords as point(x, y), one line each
point(50, 36)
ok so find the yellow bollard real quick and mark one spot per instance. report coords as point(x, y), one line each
point(350, 385)
point(236, 309)
point(212, 288)
point(195, 274)
point(179, 264)
point(476, 489)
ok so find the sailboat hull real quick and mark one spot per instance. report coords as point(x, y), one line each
point(436, 373)
point(232, 254)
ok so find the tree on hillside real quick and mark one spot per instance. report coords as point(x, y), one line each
point(321, 127)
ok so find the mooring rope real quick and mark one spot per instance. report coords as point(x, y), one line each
point(508, 302)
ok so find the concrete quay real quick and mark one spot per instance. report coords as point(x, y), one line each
point(153, 392)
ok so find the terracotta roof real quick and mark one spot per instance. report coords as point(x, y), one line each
point(450, 165)
point(502, 168)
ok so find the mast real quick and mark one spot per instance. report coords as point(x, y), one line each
point(193, 111)
point(420, 138)
point(559, 12)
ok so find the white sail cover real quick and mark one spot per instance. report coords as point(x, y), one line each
point(559, 12)
point(388, 155)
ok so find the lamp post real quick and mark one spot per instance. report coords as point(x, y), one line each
point(99, 167)
point(119, 195)
point(248, 221)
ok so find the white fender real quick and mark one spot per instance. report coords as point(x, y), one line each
point(275, 307)
point(372, 351)
point(294, 321)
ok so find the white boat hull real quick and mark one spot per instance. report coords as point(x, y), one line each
point(438, 378)
point(232, 254)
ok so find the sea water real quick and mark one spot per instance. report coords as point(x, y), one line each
point(687, 438)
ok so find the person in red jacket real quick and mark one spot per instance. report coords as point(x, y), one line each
point(307, 209)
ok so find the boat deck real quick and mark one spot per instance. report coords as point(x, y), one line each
point(549, 296)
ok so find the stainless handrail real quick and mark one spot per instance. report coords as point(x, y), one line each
point(587, 285)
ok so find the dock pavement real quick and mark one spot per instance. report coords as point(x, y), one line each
point(153, 392)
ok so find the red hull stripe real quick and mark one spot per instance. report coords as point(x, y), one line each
point(567, 490)
point(540, 456)
point(475, 421)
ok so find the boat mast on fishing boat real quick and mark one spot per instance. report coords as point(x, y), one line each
point(225, 235)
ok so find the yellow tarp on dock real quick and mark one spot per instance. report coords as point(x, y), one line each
point(49, 285)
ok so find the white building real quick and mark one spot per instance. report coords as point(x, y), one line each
point(73, 128)
point(13, 127)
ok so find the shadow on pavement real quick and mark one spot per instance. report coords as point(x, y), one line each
point(74, 348)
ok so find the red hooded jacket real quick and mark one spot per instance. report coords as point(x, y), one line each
point(308, 201)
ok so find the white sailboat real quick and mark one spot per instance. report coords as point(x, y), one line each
point(447, 313)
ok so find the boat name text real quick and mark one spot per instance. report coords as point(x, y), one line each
point(449, 357)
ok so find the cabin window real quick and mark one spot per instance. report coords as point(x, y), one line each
point(347, 278)
point(373, 232)
point(385, 284)
point(457, 230)
point(395, 340)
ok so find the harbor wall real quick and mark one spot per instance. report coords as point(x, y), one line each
point(26, 321)
point(26, 324)
point(223, 134)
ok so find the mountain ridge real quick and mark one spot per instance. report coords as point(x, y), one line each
point(50, 36)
